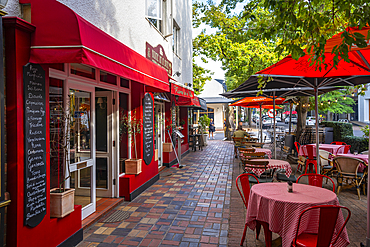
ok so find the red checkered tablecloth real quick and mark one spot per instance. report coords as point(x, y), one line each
point(334, 149)
point(264, 150)
point(272, 203)
point(282, 164)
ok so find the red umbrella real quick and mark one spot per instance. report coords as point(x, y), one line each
point(265, 107)
point(259, 102)
point(288, 112)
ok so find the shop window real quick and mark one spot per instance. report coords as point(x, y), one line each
point(124, 83)
point(176, 38)
point(80, 142)
point(123, 146)
point(57, 151)
point(57, 66)
point(108, 78)
point(82, 70)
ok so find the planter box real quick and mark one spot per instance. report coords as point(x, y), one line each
point(167, 147)
point(155, 154)
point(133, 166)
point(61, 204)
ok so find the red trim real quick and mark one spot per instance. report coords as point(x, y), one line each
point(62, 36)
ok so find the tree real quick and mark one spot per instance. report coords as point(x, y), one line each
point(240, 53)
point(200, 76)
point(306, 24)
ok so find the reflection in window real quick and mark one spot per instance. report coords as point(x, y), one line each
point(56, 132)
point(80, 145)
point(153, 10)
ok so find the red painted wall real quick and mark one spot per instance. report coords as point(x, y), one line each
point(51, 231)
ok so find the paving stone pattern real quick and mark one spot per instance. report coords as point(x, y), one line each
point(186, 207)
point(199, 205)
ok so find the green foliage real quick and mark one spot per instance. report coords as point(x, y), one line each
point(237, 48)
point(303, 24)
point(340, 130)
point(365, 130)
point(204, 121)
point(334, 101)
point(357, 143)
point(200, 76)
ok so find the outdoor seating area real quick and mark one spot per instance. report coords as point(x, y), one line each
point(265, 181)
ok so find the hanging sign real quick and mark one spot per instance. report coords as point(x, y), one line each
point(148, 128)
point(271, 113)
point(158, 56)
point(34, 144)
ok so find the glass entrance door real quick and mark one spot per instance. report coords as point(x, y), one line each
point(159, 131)
point(81, 150)
point(104, 149)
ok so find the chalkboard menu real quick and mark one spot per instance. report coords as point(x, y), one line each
point(148, 128)
point(34, 144)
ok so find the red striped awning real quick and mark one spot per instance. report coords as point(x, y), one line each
point(188, 102)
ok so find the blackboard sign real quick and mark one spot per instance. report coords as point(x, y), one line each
point(34, 144)
point(148, 128)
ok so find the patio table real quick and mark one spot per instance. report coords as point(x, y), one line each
point(264, 150)
point(273, 204)
point(273, 164)
point(328, 147)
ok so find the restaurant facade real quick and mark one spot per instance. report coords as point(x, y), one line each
point(89, 89)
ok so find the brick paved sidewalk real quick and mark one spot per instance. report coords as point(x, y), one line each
point(188, 207)
point(199, 205)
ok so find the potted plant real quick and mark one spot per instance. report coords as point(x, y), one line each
point(61, 198)
point(167, 146)
point(132, 127)
point(203, 124)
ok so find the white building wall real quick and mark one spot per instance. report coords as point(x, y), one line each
point(212, 89)
point(125, 21)
point(363, 107)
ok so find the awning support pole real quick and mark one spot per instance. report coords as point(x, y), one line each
point(317, 127)
point(273, 103)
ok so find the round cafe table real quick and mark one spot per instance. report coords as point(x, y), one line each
point(273, 164)
point(328, 147)
point(264, 150)
point(273, 204)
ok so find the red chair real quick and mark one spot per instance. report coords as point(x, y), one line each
point(316, 180)
point(325, 216)
point(346, 149)
point(244, 192)
point(338, 143)
point(311, 159)
point(297, 146)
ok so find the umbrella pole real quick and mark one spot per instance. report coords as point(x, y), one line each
point(274, 124)
point(317, 127)
point(261, 120)
point(290, 118)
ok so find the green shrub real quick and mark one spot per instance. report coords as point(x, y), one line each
point(340, 130)
point(357, 143)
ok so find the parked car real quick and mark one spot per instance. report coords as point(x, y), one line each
point(278, 118)
point(343, 120)
point(310, 121)
point(294, 120)
point(267, 122)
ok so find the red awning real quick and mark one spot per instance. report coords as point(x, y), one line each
point(189, 102)
point(62, 36)
point(181, 91)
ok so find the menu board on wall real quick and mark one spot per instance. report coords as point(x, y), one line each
point(148, 128)
point(34, 144)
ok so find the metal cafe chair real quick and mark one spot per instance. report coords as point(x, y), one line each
point(316, 180)
point(325, 217)
point(338, 143)
point(243, 186)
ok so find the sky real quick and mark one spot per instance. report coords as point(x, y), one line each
point(214, 66)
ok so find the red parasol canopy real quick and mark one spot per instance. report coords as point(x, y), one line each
point(288, 112)
point(265, 107)
point(358, 65)
point(257, 101)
